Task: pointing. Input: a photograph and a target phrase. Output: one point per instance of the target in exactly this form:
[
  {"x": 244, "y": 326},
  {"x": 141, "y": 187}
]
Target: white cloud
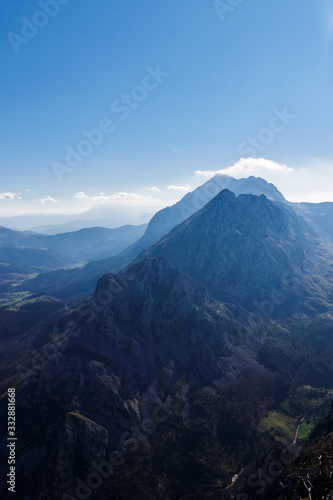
[
  {"x": 309, "y": 180},
  {"x": 121, "y": 197},
  {"x": 10, "y": 196},
  {"x": 47, "y": 199},
  {"x": 312, "y": 181},
  {"x": 81, "y": 195},
  {"x": 181, "y": 189},
  {"x": 245, "y": 167},
  {"x": 153, "y": 188},
  {"x": 208, "y": 174}
]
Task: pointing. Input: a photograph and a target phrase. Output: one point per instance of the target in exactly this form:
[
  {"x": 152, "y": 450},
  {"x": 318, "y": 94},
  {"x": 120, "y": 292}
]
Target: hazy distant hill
[
  {"x": 103, "y": 215},
  {"x": 32, "y": 252}
]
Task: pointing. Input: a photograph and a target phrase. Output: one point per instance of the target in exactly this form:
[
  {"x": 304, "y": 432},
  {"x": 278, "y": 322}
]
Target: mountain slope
[
  {"x": 319, "y": 216},
  {"x": 244, "y": 249},
  {"x": 145, "y": 335}
]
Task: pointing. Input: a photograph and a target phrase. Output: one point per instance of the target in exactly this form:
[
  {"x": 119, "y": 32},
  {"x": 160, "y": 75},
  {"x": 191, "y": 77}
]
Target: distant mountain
[
  {"x": 103, "y": 215},
  {"x": 97, "y": 242},
  {"x": 107, "y": 222},
  {"x": 32, "y": 252},
  {"x": 244, "y": 249},
  {"x": 319, "y": 216}
]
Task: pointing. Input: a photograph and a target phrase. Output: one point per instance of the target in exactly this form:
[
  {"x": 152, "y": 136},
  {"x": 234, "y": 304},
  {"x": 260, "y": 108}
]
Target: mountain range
[
  {"x": 77, "y": 283},
  {"x": 102, "y": 215},
  {"x": 28, "y": 252},
  {"x": 191, "y": 371}
]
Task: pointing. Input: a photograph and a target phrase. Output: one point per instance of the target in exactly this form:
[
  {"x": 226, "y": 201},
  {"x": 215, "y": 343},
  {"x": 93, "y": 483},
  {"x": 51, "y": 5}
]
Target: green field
[
  {"x": 18, "y": 299},
  {"x": 280, "y": 425},
  {"x": 305, "y": 430}
]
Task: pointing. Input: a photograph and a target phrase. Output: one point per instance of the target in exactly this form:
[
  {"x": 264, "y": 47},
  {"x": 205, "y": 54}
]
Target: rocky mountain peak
[{"x": 242, "y": 248}]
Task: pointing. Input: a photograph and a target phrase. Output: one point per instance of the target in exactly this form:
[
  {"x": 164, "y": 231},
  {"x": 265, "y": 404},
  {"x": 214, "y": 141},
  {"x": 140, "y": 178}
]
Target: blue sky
[{"x": 225, "y": 76}]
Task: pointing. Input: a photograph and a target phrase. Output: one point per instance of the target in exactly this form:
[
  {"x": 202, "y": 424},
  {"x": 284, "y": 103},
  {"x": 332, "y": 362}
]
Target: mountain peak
[{"x": 242, "y": 248}]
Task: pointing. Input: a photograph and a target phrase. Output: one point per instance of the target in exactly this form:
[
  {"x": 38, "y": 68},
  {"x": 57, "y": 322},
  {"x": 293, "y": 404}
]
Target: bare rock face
[
  {"x": 243, "y": 249},
  {"x": 175, "y": 314},
  {"x": 80, "y": 438},
  {"x": 141, "y": 320},
  {"x": 143, "y": 332}
]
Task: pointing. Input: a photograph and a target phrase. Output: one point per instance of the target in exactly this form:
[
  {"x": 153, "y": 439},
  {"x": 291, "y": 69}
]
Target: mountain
[
  {"x": 32, "y": 252},
  {"x": 170, "y": 380},
  {"x": 169, "y": 217},
  {"x": 76, "y": 225},
  {"x": 77, "y": 283},
  {"x": 117, "y": 219},
  {"x": 246, "y": 249},
  {"x": 95, "y": 243},
  {"x": 319, "y": 216},
  {"x": 145, "y": 334},
  {"x": 103, "y": 215}
]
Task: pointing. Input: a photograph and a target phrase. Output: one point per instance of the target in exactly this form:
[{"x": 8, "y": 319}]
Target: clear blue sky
[{"x": 225, "y": 78}]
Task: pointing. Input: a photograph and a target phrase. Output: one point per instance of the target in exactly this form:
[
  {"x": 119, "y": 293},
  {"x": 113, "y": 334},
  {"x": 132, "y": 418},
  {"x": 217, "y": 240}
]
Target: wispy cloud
[
  {"x": 10, "y": 196},
  {"x": 47, "y": 199},
  {"x": 246, "y": 167},
  {"x": 153, "y": 188},
  {"x": 129, "y": 198},
  {"x": 181, "y": 189},
  {"x": 309, "y": 180}
]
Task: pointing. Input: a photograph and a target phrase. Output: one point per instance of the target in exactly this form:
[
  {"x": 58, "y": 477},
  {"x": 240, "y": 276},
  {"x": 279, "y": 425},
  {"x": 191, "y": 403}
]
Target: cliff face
[{"x": 146, "y": 333}]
